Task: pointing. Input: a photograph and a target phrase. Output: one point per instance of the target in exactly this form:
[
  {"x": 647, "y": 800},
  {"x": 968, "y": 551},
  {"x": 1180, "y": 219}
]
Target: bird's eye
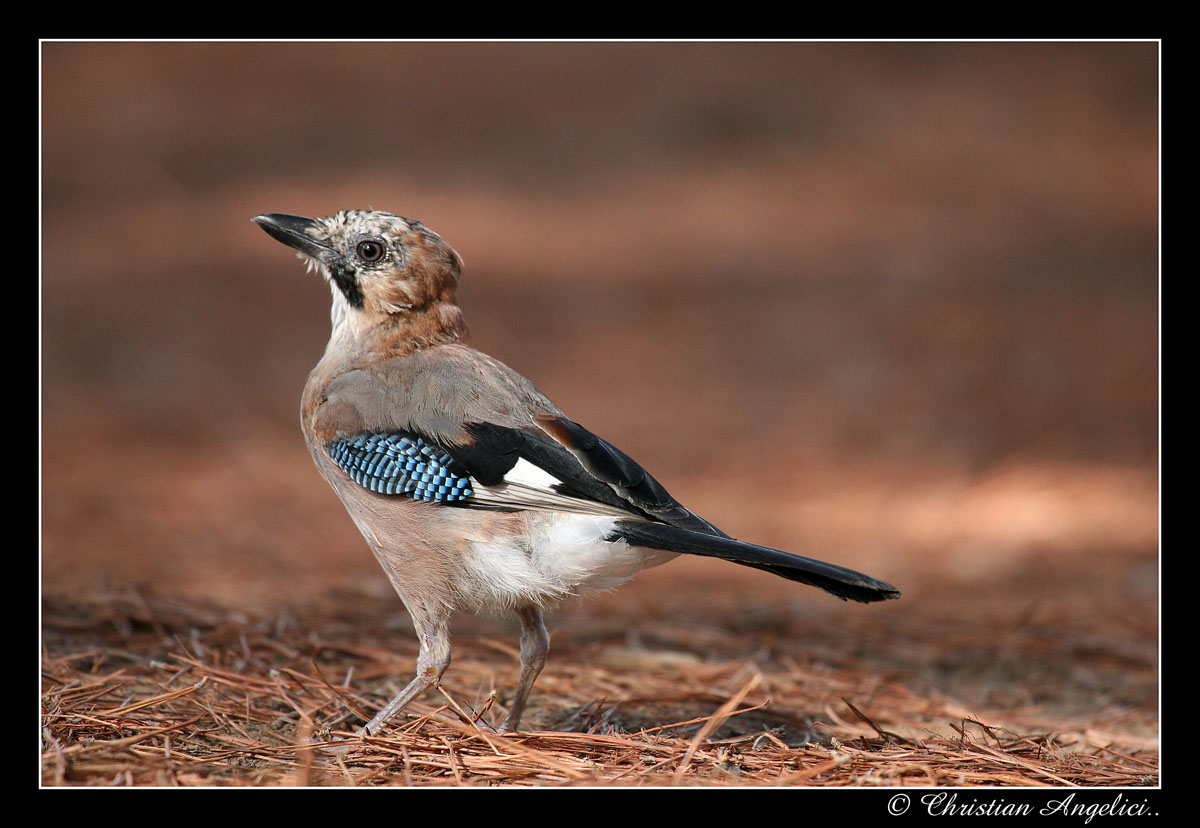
[{"x": 369, "y": 251}]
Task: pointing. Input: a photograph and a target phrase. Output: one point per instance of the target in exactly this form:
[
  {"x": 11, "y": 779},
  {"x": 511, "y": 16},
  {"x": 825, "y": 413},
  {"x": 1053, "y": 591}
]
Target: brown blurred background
[{"x": 892, "y": 305}]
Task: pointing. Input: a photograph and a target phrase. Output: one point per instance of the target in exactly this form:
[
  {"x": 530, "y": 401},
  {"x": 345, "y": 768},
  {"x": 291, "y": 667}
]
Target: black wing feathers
[
  {"x": 491, "y": 454},
  {"x": 548, "y": 454},
  {"x": 588, "y": 467},
  {"x": 608, "y": 464}
]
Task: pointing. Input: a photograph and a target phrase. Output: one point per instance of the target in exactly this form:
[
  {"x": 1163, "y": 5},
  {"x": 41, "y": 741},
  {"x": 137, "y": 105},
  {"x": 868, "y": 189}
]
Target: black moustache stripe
[{"x": 346, "y": 282}]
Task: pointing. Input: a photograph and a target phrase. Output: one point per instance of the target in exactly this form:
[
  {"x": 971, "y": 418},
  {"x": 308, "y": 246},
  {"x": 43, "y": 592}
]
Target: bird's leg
[
  {"x": 432, "y": 661},
  {"x": 535, "y": 643}
]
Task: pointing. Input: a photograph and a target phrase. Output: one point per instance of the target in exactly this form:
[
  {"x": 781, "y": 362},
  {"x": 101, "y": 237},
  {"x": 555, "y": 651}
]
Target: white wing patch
[
  {"x": 527, "y": 486},
  {"x": 534, "y": 477}
]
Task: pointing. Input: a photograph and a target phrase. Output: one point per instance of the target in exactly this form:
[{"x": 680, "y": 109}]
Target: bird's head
[{"x": 382, "y": 265}]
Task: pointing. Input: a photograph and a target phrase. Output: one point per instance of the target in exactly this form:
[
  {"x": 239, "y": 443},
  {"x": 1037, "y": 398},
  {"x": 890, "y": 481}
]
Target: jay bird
[{"x": 470, "y": 486}]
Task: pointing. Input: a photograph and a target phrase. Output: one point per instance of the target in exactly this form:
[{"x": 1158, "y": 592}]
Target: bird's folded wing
[
  {"x": 502, "y": 467},
  {"x": 456, "y": 427}
]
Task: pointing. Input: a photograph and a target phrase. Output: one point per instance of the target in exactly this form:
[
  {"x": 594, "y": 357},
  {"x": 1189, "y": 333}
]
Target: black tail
[{"x": 842, "y": 582}]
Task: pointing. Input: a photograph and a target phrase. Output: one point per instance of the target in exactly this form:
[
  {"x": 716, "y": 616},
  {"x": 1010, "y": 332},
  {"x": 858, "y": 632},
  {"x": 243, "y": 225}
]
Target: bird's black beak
[{"x": 293, "y": 231}]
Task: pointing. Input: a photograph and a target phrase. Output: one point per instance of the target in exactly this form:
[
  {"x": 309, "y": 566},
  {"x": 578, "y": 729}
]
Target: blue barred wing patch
[{"x": 401, "y": 464}]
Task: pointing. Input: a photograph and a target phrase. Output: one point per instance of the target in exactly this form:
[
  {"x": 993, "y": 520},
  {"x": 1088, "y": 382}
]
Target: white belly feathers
[{"x": 562, "y": 555}]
